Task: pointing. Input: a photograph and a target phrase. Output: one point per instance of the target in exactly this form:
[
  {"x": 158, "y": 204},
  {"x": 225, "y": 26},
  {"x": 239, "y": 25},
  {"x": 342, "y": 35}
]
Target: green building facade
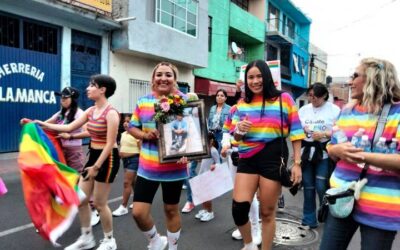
[{"x": 230, "y": 24}]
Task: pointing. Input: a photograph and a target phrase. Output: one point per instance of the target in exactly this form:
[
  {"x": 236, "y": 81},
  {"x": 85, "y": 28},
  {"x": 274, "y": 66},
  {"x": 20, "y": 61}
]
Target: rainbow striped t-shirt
[
  {"x": 149, "y": 166},
  {"x": 379, "y": 203},
  {"x": 267, "y": 128}
]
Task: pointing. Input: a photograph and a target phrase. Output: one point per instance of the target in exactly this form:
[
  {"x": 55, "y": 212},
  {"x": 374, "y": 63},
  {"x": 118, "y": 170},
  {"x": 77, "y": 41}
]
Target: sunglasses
[{"x": 355, "y": 75}]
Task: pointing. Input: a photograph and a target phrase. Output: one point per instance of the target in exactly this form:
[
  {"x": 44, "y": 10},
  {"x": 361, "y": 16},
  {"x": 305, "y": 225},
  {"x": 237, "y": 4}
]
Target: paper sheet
[{"x": 211, "y": 184}]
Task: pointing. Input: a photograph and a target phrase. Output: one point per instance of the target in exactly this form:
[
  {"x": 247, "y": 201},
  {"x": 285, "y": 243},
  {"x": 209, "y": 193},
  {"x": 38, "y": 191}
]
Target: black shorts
[
  {"x": 109, "y": 168},
  {"x": 146, "y": 189},
  {"x": 266, "y": 162}
]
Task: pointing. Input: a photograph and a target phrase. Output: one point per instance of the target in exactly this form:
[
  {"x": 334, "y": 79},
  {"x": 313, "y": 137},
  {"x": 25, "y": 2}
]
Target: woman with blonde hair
[
  {"x": 377, "y": 211},
  {"x": 151, "y": 173}
]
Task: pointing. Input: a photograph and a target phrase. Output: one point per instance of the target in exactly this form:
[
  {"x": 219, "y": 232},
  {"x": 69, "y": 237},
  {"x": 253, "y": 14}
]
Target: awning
[{"x": 208, "y": 87}]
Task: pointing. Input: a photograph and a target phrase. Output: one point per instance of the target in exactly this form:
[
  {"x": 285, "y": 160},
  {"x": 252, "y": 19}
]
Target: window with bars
[
  {"x": 244, "y": 4},
  {"x": 40, "y": 38},
  {"x": 137, "y": 89},
  {"x": 9, "y": 31},
  {"x": 178, "y": 14}
]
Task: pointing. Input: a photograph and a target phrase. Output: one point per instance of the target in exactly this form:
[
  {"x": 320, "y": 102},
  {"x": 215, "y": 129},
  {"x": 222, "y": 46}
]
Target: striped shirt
[
  {"x": 267, "y": 128},
  {"x": 379, "y": 203},
  {"x": 149, "y": 165},
  {"x": 97, "y": 128}
]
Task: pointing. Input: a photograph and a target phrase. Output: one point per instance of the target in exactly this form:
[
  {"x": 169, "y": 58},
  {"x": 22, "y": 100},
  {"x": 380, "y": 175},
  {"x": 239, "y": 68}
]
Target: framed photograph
[{"x": 184, "y": 135}]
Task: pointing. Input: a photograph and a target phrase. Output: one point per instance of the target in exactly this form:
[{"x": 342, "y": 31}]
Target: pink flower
[{"x": 165, "y": 106}]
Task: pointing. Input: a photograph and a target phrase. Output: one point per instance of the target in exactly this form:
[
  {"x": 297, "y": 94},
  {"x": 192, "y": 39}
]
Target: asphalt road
[{"x": 17, "y": 232}]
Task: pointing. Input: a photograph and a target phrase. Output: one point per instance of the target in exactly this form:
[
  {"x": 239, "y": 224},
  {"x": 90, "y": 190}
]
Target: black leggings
[{"x": 146, "y": 189}]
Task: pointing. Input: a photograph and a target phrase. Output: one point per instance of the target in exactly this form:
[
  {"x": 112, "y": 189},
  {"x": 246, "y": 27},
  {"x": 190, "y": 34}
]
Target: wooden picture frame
[{"x": 174, "y": 142}]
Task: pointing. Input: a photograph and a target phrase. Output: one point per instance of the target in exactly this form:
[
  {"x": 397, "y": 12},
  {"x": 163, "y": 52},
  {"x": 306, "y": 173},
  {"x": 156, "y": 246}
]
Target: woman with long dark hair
[
  {"x": 218, "y": 114},
  {"x": 258, "y": 131},
  {"x": 71, "y": 143}
]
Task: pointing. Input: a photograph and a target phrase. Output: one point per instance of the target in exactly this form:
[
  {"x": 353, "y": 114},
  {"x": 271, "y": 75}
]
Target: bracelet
[{"x": 237, "y": 131}]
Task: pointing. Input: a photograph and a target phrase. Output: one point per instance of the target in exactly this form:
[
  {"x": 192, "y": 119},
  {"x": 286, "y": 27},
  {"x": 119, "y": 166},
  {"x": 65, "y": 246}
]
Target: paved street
[{"x": 17, "y": 232}]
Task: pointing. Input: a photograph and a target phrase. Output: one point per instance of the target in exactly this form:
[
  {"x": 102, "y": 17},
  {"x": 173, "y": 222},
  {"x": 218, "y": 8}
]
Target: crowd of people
[{"x": 253, "y": 136}]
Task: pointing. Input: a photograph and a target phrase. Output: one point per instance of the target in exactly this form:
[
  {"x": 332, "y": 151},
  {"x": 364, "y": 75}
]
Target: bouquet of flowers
[{"x": 168, "y": 107}]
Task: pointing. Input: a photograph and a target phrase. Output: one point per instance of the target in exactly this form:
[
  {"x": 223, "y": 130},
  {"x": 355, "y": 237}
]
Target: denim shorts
[{"x": 131, "y": 163}]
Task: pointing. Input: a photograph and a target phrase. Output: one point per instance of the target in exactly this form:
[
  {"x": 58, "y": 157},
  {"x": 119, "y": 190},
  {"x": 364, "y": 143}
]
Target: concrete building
[
  {"x": 236, "y": 34},
  {"x": 44, "y": 46},
  {"x": 163, "y": 30},
  {"x": 317, "y": 70},
  {"x": 287, "y": 40}
]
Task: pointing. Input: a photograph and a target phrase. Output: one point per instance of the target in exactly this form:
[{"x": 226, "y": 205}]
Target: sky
[{"x": 349, "y": 30}]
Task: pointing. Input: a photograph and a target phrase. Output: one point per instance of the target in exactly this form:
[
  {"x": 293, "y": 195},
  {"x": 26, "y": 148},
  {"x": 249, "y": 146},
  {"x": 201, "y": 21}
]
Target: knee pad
[{"x": 240, "y": 212}]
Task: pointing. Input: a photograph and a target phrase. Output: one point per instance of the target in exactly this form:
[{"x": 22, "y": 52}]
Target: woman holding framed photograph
[{"x": 151, "y": 173}]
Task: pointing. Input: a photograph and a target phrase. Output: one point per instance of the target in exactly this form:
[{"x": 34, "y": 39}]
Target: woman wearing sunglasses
[{"x": 377, "y": 211}]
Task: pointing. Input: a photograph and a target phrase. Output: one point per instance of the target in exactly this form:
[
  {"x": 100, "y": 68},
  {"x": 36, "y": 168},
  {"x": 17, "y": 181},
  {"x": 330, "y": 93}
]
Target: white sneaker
[
  {"x": 256, "y": 235},
  {"x": 85, "y": 241},
  {"x": 189, "y": 206},
  {"x": 107, "y": 244},
  {"x": 252, "y": 247},
  {"x": 237, "y": 235},
  {"x": 159, "y": 244},
  {"x": 95, "y": 218},
  {"x": 207, "y": 216},
  {"x": 121, "y": 210},
  {"x": 200, "y": 214}
]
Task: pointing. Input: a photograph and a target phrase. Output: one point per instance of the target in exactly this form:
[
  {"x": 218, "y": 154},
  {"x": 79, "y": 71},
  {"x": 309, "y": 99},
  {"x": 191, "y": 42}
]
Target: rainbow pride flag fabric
[{"x": 49, "y": 186}]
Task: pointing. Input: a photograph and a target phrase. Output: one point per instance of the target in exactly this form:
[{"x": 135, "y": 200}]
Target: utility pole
[{"x": 311, "y": 68}]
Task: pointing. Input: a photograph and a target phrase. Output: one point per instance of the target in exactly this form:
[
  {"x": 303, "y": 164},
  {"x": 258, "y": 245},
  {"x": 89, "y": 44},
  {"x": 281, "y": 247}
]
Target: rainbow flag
[{"x": 49, "y": 186}]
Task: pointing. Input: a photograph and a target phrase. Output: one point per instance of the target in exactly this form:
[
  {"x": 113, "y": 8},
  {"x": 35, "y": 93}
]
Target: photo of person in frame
[{"x": 179, "y": 131}]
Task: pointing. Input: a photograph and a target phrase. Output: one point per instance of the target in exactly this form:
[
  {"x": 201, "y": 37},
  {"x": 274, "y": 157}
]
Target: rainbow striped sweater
[
  {"x": 267, "y": 128},
  {"x": 149, "y": 166},
  {"x": 379, "y": 203}
]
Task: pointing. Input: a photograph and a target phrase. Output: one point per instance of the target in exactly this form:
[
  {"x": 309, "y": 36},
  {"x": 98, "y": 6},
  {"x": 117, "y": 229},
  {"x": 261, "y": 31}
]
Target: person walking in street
[
  {"x": 218, "y": 114},
  {"x": 129, "y": 153},
  {"x": 71, "y": 143},
  {"x": 207, "y": 214},
  {"x": 377, "y": 212},
  {"x": 152, "y": 173},
  {"x": 317, "y": 119},
  {"x": 257, "y": 123},
  {"x": 103, "y": 163},
  {"x": 230, "y": 153}
]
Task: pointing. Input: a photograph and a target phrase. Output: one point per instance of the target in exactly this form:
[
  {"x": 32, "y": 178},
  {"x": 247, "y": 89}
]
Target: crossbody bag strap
[
  {"x": 377, "y": 134},
  {"x": 280, "y": 107}
]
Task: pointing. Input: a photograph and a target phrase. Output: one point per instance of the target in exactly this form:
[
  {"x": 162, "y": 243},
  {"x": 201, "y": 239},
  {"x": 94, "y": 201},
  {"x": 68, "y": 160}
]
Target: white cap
[
  {"x": 364, "y": 138},
  {"x": 361, "y": 130},
  {"x": 382, "y": 139},
  {"x": 335, "y": 128}
]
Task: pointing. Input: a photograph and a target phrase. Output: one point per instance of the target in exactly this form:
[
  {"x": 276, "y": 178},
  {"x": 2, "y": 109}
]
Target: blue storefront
[
  {"x": 44, "y": 47},
  {"x": 30, "y": 65}
]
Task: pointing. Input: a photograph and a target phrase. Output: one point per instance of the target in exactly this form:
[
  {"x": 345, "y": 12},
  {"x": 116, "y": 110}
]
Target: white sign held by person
[{"x": 211, "y": 184}]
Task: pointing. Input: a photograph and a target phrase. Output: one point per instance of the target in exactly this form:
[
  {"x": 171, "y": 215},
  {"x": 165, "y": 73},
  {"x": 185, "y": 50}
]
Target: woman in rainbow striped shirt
[
  {"x": 377, "y": 211},
  {"x": 258, "y": 131},
  {"x": 151, "y": 173}
]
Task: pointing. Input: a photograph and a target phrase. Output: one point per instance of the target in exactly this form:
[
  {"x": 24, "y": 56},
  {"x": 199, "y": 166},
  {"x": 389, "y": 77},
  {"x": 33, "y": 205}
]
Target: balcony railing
[{"x": 277, "y": 25}]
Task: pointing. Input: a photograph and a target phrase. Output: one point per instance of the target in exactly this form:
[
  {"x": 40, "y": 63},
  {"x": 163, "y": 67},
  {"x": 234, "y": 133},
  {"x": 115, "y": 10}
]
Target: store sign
[
  {"x": 105, "y": 5},
  {"x": 24, "y": 95}
]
